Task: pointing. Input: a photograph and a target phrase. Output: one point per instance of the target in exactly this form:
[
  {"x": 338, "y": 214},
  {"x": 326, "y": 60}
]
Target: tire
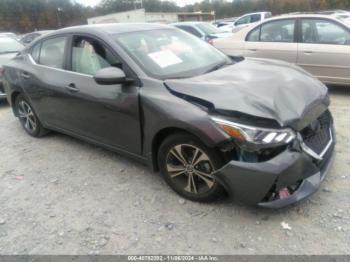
[
  {"x": 28, "y": 118},
  {"x": 191, "y": 180}
]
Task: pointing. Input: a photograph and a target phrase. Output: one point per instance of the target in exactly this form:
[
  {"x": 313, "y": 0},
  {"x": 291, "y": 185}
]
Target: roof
[
  {"x": 302, "y": 15},
  {"x": 291, "y": 16},
  {"x": 296, "y": 15},
  {"x": 255, "y": 13},
  {"x": 113, "y": 28},
  {"x": 189, "y": 23}
]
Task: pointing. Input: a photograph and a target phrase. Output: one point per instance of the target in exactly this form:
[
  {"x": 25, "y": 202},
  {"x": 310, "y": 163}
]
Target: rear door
[
  {"x": 324, "y": 50},
  {"x": 274, "y": 40},
  {"x": 43, "y": 78}
]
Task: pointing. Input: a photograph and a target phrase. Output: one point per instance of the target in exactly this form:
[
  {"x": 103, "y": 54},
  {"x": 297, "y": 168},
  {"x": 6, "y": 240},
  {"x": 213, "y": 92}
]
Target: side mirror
[{"x": 110, "y": 76}]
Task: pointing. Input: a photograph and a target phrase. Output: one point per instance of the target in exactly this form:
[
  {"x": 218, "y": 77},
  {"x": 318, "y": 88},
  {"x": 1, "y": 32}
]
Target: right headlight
[{"x": 264, "y": 137}]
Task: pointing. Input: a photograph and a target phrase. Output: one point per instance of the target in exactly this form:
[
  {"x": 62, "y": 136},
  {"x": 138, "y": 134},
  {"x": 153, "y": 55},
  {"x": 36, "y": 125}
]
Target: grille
[{"x": 317, "y": 135}]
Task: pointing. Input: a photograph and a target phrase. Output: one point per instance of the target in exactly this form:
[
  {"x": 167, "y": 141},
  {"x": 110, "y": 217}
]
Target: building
[{"x": 141, "y": 16}]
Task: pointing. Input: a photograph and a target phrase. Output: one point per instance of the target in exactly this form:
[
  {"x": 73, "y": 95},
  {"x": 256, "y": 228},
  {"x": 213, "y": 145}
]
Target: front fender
[{"x": 162, "y": 110}]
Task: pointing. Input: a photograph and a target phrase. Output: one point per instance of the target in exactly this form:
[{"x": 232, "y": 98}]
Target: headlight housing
[{"x": 256, "y": 136}]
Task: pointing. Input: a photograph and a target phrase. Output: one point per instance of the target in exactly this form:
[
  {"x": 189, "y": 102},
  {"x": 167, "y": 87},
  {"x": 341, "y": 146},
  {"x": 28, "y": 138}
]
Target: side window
[
  {"x": 267, "y": 15},
  {"x": 319, "y": 31},
  {"x": 89, "y": 56},
  {"x": 52, "y": 52},
  {"x": 36, "y": 52},
  {"x": 190, "y": 30},
  {"x": 278, "y": 31},
  {"x": 244, "y": 20},
  {"x": 255, "y": 18},
  {"x": 254, "y": 36}
]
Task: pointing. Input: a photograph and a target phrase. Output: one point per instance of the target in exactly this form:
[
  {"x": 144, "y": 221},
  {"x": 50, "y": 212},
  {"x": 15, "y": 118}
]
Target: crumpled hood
[{"x": 259, "y": 87}]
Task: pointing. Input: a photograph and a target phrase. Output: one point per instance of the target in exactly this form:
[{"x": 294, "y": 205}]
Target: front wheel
[
  {"x": 188, "y": 166},
  {"x": 27, "y": 117}
]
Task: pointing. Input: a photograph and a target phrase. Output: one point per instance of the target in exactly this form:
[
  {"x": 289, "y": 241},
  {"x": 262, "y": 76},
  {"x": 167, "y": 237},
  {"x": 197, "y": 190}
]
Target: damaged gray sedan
[{"x": 259, "y": 130}]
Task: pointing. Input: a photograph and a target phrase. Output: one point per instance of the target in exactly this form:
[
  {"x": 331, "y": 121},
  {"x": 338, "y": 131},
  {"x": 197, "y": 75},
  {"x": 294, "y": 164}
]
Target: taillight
[{"x": 211, "y": 41}]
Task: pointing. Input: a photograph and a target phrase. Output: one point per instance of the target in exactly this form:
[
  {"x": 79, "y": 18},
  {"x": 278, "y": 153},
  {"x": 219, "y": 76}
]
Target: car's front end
[
  {"x": 268, "y": 121},
  {"x": 281, "y": 166},
  {"x": 281, "y": 131}
]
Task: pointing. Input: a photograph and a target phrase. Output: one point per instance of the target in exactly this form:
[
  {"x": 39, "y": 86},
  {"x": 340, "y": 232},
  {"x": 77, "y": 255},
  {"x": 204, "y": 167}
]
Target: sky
[{"x": 94, "y": 2}]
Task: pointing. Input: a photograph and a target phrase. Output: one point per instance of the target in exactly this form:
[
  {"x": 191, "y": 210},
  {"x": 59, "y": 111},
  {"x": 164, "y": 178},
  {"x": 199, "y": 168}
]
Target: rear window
[
  {"x": 268, "y": 15},
  {"x": 255, "y": 18},
  {"x": 52, "y": 52}
]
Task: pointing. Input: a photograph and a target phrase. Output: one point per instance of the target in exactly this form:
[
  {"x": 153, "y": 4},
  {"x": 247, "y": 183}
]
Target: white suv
[{"x": 245, "y": 20}]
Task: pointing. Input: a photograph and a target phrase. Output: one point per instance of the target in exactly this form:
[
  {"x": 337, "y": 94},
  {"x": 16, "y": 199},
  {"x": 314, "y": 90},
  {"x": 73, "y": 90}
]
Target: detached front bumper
[{"x": 250, "y": 183}]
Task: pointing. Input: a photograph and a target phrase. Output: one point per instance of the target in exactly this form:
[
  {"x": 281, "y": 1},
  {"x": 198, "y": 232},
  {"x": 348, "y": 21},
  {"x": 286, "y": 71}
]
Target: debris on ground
[{"x": 286, "y": 226}]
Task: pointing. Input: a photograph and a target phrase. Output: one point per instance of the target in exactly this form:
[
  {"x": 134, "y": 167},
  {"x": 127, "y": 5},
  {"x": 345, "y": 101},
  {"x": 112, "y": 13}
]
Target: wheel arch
[
  {"x": 13, "y": 98},
  {"x": 161, "y": 135}
]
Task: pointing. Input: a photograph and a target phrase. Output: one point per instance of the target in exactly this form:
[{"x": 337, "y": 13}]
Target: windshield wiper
[{"x": 216, "y": 67}]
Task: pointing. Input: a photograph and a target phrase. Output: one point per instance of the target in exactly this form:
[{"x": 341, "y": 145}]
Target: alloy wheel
[
  {"x": 190, "y": 169},
  {"x": 27, "y": 116}
]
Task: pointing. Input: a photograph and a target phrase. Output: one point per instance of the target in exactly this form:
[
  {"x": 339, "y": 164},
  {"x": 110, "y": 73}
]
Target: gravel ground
[{"x": 59, "y": 195}]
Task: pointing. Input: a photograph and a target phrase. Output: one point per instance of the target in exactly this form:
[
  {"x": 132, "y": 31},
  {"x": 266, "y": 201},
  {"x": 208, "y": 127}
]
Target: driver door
[
  {"x": 107, "y": 114},
  {"x": 324, "y": 50}
]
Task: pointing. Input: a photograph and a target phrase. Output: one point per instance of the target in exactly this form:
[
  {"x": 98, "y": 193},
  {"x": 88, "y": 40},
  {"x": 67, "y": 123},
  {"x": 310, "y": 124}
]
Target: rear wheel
[
  {"x": 188, "y": 166},
  {"x": 28, "y": 118}
]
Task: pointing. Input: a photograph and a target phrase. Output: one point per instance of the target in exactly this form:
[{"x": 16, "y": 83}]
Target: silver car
[
  {"x": 202, "y": 30},
  {"x": 318, "y": 43},
  {"x": 9, "y": 47}
]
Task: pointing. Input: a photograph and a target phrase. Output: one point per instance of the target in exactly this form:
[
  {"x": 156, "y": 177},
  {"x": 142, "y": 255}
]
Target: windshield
[
  {"x": 170, "y": 53},
  {"x": 208, "y": 29},
  {"x": 9, "y": 45}
]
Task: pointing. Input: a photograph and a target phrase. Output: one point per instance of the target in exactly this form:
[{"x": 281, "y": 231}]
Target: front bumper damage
[{"x": 250, "y": 183}]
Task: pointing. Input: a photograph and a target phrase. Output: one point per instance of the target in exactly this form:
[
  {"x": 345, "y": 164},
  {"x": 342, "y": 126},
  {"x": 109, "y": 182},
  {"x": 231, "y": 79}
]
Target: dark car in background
[
  {"x": 9, "y": 47},
  {"x": 30, "y": 37},
  {"x": 258, "y": 129}
]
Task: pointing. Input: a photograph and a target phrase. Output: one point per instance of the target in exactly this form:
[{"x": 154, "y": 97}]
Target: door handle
[
  {"x": 72, "y": 88},
  {"x": 308, "y": 52},
  {"x": 253, "y": 50},
  {"x": 25, "y": 75}
]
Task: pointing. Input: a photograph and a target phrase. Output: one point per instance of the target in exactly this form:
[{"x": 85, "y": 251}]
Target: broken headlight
[{"x": 256, "y": 136}]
